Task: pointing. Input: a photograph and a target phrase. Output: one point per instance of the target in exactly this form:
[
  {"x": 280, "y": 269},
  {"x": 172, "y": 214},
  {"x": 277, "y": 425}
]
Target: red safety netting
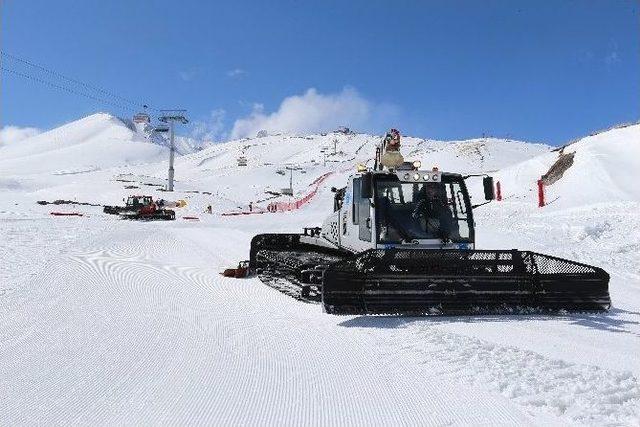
[
  {"x": 297, "y": 204},
  {"x": 286, "y": 206}
]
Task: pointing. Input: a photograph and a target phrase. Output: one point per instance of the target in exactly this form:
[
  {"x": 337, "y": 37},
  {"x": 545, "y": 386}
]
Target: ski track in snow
[
  {"x": 580, "y": 393},
  {"x": 113, "y": 322},
  {"x": 159, "y": 341},
  {"x": 151, "y": 325},
  {"x": 29, "y": 243}
]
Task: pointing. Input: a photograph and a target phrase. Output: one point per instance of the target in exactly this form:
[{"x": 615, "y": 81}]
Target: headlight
[
  {"x": 416, "y": 176},
  {"x": 435, "y": 177},
  {"x": 417, "y": 164},
  {"x": 426, "y": 177},
  {"x": 406, "y": 176}
]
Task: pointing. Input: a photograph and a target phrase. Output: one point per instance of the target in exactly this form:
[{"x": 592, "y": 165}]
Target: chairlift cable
[
  {"x": 76, "y": 81},
  {"x": 65, "y": 88}
]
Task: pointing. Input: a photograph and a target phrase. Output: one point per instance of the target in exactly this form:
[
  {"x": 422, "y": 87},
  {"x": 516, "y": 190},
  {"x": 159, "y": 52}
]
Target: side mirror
[
  {"x": 366, "y": 186},
  {"x": 487, "y": 183},
  {"x": 334, "y": 189}
]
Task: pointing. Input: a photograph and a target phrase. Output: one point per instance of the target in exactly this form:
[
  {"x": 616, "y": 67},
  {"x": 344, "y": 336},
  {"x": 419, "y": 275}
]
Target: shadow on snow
[{"x": 615, "y": 320}]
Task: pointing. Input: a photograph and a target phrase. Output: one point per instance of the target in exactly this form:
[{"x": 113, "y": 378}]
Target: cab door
[{"x": 361, "y": 212}]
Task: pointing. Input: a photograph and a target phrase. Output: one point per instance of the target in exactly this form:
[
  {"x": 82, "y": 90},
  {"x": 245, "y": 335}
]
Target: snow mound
[
  {"x": 600, "y": 168},
  {"x": 95, "y": 142}
]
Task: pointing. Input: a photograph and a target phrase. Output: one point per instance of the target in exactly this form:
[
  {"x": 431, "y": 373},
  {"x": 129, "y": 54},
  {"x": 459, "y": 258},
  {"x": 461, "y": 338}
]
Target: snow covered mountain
[
  {"x": 106, "y": 321},
  {"x": 104, "y": 145},
  {"x": 95, "y": 142},
  {"x": 313, "y": 155}
]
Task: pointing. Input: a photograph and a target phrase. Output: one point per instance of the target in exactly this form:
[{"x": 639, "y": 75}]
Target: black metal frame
[
  {"x": 462, "y": 281},
  {"x": 443, "y": 281}
]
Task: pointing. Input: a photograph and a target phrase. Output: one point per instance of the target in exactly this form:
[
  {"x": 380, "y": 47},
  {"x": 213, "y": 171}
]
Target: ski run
[{"x": 108, "y": 321}]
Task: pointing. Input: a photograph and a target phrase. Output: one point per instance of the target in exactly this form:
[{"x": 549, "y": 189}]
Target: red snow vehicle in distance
[{"x": 142, "y": 207}]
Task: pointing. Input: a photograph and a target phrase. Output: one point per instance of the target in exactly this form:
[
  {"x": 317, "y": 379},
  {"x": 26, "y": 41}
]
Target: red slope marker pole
[
  {"x": 540, "y": 193},
  {"x": 498, "y": 192}
]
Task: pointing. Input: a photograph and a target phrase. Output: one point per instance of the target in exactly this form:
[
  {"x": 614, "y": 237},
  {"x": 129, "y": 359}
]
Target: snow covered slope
[
  {"x": 115, "y": 322},
  {"x": 314, "y": 155},
  {"x": 604, "y": 169},
  {"x": 95, "y": 142}
]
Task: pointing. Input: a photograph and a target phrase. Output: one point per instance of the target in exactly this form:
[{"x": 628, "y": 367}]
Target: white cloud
[
  {"x": 236, "y": 72},
  {"x": 211, "y": 129},
  {"x": 612, "y": 58},
  {"x": 189, "y": 74},
  {"x": 314, "y": 112},
  {"x": 11, "y": 134}
]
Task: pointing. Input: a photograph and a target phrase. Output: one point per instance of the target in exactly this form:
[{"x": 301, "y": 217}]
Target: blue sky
[{"x": 534, "y": 70}]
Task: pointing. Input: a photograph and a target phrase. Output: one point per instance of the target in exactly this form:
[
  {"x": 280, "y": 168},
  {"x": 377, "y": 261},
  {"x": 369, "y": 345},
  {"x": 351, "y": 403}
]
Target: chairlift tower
[{"x": 172, "y": 116}]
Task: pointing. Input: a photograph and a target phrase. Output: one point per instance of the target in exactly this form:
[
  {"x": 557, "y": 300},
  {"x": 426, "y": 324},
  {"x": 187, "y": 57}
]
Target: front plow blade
[{"x": 409, "y": 281}]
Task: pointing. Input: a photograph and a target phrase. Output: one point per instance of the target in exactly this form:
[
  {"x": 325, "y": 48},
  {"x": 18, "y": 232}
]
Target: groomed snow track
[{"x": 139, "y": 335}]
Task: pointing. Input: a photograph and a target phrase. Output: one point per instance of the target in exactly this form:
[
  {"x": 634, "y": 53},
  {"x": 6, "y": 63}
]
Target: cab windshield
[
  {"x": 138, "y": 201},
  {"x": 408, "y": 211}
]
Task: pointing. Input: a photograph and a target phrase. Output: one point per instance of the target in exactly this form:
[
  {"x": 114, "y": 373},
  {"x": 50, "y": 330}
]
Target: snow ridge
[{"x": 584, "y": 394}]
